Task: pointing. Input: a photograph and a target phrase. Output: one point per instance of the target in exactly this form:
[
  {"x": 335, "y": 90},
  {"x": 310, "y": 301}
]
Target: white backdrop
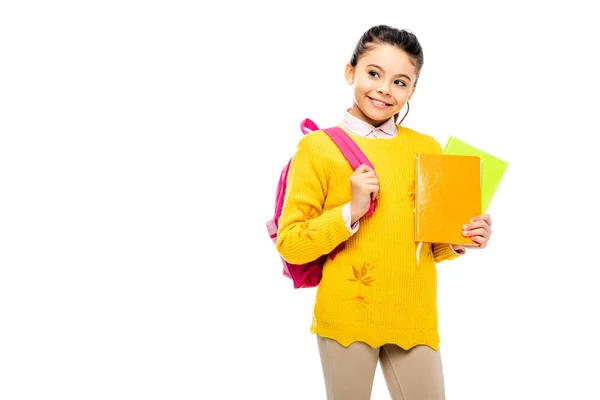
[{"x": 140, "y": 148}]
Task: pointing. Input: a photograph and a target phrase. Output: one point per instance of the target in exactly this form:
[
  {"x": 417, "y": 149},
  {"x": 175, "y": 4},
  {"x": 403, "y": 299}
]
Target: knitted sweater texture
[{"x": 375, "y": 290}]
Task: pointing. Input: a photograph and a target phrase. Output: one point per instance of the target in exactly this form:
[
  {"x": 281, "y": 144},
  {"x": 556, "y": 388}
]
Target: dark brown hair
[{"x": 401, "y": 38}]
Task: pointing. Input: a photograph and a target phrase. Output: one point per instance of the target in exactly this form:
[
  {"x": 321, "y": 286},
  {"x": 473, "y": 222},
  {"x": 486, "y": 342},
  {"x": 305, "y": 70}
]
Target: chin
[
  {"x": 379, "y": 117},
  {"x": 374, "y": 116}
]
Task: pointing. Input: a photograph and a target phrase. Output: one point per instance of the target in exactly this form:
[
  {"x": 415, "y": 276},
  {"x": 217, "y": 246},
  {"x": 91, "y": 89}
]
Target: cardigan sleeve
[{"x": 306, "y": 231}]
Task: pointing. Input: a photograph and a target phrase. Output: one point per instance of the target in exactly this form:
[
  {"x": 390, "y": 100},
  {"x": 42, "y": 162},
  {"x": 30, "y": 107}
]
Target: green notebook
[{"x": 492, "y": 168}]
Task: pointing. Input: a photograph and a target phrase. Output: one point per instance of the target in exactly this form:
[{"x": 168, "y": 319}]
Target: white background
[{"x": 140, "y": 148}]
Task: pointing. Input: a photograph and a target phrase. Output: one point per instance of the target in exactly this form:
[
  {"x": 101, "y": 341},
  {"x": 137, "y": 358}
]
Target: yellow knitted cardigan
[{"x": 373, "y": 291}]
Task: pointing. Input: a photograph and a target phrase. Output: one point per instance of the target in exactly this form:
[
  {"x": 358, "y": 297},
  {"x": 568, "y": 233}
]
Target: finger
[
  {"x": 470, "y": 246},
  {"x": 375, "y": 193},
  {"x": 362, "y": 175},
  {"x": 477, "y": 224},
  {"x": 483, "y": 217},
  {"x": 362, "y": 168},
  {"x": 480, "y": 240},
  {"x": 372, "y": 189},
  {"x": 370, "y": 181},
  {"x": 368, "y": 174},
  {"x": 476, "y": 232}
]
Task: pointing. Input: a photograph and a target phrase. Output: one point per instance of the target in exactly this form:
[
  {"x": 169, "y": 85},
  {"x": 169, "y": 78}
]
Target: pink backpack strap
[
  {"x": 347, "y": 146},
  {"x": 308, "y": 126},
  {"x": 352, "y": 152}
]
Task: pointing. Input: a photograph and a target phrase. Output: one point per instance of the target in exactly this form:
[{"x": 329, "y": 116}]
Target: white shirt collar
[{"x": 386, "y": 130}]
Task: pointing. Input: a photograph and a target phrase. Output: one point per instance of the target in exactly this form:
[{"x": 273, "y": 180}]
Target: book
[
  {"x": 447, "y": 196},
  {"x": 492, "y": 168}
]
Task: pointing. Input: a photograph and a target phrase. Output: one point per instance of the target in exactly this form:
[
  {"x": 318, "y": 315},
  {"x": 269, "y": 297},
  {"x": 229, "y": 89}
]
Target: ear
[{"x": 349, "y": 74}]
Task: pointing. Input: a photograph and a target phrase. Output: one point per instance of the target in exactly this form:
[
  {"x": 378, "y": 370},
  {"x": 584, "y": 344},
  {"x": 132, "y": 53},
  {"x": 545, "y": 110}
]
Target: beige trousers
[{"x": 349, "y": 372}]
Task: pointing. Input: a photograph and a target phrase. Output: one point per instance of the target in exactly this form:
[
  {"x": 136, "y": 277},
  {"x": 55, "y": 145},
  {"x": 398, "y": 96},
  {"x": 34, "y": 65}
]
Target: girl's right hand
[{"x": 365, "y": 186}]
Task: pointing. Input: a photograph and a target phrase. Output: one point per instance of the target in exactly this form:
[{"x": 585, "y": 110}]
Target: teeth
[{"x": 379, "y": 102}]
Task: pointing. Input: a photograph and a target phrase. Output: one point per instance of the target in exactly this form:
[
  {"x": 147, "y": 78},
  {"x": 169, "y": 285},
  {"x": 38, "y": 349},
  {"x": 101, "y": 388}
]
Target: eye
[
  {"x": 374, "y": 74},
  {"x": 399, "y": 83}
]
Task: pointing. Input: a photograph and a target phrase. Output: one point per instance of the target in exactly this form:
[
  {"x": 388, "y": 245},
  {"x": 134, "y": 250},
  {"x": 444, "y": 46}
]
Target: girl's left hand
[{"x": 479, "y": 230}]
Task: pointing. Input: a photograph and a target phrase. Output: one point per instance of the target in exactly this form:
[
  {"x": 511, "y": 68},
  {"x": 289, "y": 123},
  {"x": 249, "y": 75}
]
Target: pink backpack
[{"x": 309, "y": 274}]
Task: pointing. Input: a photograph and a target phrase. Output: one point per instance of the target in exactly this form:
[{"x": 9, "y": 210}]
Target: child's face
[{"x": 383, "y": 82}]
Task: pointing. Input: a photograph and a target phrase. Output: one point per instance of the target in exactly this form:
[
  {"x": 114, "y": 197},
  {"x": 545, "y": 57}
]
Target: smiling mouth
[{"x": 378, "y": 102}]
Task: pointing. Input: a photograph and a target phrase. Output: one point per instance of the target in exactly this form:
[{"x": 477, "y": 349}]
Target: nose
[{"x": 384, "y": 89}]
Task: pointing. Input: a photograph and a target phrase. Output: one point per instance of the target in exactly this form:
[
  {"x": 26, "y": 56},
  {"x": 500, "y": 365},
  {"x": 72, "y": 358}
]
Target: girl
[{"x": 376, "y": 301}]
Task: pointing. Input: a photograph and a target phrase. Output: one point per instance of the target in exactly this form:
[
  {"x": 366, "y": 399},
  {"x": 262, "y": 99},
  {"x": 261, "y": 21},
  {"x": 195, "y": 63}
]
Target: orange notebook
[{"x": 447, "y": 196}]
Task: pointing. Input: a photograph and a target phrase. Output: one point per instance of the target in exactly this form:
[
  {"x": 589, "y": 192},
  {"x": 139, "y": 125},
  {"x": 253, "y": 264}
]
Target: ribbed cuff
[
  {"x": 442, "y": 252},
  {"x": 347, "y": 214}
]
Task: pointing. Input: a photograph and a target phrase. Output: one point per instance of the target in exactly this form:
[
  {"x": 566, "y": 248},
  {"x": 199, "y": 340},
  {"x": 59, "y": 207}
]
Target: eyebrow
[{"x": 399, "y": 75}]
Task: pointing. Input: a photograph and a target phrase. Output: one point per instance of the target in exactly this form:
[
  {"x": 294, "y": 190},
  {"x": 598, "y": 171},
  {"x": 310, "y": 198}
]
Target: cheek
[
  {"x": 400, "y": 99},
  {"x": 401, "y": 95},
  {"x": 363, "y": 86}
]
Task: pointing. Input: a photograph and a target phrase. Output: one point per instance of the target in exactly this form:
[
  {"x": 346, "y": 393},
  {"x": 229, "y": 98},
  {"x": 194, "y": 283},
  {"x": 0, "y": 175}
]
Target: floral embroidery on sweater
[
  {"x": 307, "y": 230},
  {"x": 364, "y": 278},
  {"x": 412, "y": 195}
]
